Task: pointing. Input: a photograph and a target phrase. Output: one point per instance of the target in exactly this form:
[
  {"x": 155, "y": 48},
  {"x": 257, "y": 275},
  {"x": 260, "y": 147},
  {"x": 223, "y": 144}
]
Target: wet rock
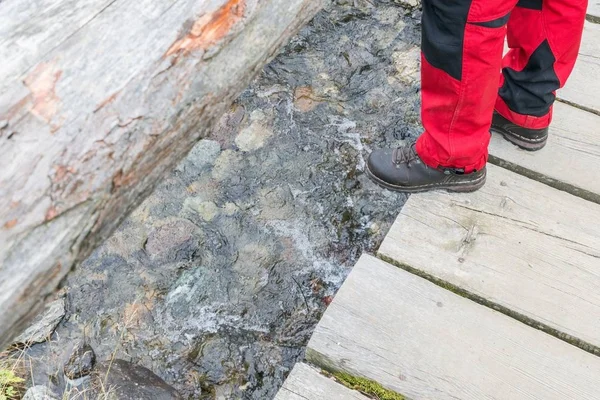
[
  {"x": 218, "y": 359},
  {"x": 226, "y": 164},
  {"x": 408, "y": 3},
  {"x": 201, "y": 155},
  {"x": 254, "y": 136},
  {"x": 45, "y": 324},
  {"x": 39, "y": 392},
  {"x": 121, "y": 380},
  {"x": 169, "y": 238},
  {"x": 81, "y": 362},
  {"x": 207, "y": 210},
  {"x": 218, "y": 279},
  {"x": 408, "y": 64},
  {"x": 304, "y": 99}
]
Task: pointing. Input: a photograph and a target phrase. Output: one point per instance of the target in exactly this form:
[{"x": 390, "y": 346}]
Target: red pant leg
[
  {"x": 462, "y": 54},
  {"x": 544, "y": 37}
]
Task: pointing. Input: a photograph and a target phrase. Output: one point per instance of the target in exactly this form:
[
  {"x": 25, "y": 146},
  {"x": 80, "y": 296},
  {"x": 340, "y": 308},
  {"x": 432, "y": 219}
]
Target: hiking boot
[
  {"x": 402, "y": 170},
  {"x": 527, "y": 139}
]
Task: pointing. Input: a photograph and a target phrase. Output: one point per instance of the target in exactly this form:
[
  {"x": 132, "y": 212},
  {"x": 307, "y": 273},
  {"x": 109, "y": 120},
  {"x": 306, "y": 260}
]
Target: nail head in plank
[{"x": 425, "y": 342}]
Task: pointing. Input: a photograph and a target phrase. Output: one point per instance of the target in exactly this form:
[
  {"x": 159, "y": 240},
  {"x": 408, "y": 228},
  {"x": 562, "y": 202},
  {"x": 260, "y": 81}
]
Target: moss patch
[
  {"x": 12, "y": 373},
  {"x": 366, "y": 386}
]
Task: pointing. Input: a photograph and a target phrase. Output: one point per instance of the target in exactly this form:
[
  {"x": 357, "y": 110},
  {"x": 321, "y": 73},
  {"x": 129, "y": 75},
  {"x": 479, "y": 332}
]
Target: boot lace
[{"x": 405, "y": 154}]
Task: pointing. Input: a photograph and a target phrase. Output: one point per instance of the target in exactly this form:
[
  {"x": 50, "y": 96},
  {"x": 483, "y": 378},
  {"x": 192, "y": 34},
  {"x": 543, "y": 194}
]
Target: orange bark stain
[
  {"x": 106, "y": 101},
  {"x": 18, "y": 109},
  {"x": 120, "y": 179},
  {"x": 61, "y": 171},
  {"x": 210, "y": 28},
  {"x": 41, "y": 82},
  {"x": 51, "y": 213},
  {"x": 10, "y": 224}
]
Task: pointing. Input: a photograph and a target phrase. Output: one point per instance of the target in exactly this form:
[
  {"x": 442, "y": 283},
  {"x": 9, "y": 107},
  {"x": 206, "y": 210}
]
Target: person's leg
[
  {"x": 462, "y": 54},
  {"x": 544, "y": 38},
  {"x": 461, "y": 57}
]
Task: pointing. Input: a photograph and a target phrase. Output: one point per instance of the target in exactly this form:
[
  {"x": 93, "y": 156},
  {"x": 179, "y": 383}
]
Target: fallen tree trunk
[{"x": 98, "y": 100}]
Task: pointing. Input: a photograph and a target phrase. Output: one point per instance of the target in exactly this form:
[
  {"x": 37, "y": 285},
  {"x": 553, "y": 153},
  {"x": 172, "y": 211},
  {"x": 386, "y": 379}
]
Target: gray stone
[
  {"x": 39, "y": 392},
  {"x": 246, "y": 246},
  {"x": 410, "y": 4},
  {"x": 44, "y": 325},
  {"x": 81, "y": 362},
  {"x": 254, "y": 136},
  {"x": 169, "y": 237},
  {"x": 408, "y": 64},
  {"x": 122, "y": 380},
  {"x": 217, "y": 359},
  {"x": 201, "y": 155}
]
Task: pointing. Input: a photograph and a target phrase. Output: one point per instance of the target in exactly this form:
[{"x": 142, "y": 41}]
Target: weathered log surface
[{"x": 98, "y": 99}]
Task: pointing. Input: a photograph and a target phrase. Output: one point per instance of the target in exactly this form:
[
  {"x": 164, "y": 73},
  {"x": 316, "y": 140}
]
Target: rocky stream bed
[{"x": 217, "y": 280}]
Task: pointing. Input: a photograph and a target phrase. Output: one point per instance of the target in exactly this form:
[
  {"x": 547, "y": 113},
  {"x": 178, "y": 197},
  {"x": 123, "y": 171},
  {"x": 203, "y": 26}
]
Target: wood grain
[
  {"x": 517, "y": 243},
  {"x": 98, "y": 100},
  {"x": 31, "y": 29},
  {"x": 583, "y": 85},
  {"x": 570, "y": 158},
  {"x": 427, "y": 343},
  {"x": 306, "y": 383},
  {"x": 593, "y": 10}
]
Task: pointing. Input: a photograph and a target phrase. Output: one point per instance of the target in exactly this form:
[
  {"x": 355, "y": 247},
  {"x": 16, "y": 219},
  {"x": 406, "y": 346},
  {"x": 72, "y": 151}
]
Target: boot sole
[
  {"x": 520, "y": 141},
  {"x": 462, "y": 187}
]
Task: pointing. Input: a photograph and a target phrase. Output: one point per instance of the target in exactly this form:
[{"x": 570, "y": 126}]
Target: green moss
[
  {"x": 10, "y": 385},
  {"x": 366, "y": 386},
  {"x": 363, "y": 385}
]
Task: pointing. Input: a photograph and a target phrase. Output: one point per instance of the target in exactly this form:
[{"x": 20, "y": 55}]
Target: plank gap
[
  {"x": 582, "y": 344},
  {"x": 539, "y": 177},
  {"x": 416, "y": 338},
  {"x": 592, "y": 18},
  {"x": 579, "y": 106}
]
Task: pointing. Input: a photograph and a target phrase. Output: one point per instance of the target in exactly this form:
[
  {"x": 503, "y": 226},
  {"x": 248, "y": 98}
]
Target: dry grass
[
  {"x": 16, "y": 368},
  {"x": 13, "y": 374}
]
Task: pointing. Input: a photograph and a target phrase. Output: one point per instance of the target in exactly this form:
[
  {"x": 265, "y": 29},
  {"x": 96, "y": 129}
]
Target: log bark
[{"x": 98, "y": 100}]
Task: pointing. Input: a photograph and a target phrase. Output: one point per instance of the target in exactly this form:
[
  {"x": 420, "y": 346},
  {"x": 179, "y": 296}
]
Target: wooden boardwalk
[{"x": 490, "y": 295}]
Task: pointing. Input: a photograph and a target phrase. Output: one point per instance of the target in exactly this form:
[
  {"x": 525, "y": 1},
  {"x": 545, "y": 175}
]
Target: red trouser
[{"x": 461, "y": 60}]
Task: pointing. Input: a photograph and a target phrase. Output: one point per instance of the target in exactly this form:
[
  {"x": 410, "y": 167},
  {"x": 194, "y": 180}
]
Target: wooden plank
[
  {"x": 593, "y": 11},
  {"x": 101, "y": 101},
  {"x": 583, "y": 85},
  {"x": 426, "y": 342},
  {"x": 306, "y": 383},
  {"x": 570, "y": 158},
  {"x": 516, "y": 243}
]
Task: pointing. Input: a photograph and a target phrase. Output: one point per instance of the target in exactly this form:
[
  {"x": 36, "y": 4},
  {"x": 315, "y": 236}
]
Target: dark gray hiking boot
[
  {"x": 527, "y": 139},
  {"x": 402, "y": 170}
]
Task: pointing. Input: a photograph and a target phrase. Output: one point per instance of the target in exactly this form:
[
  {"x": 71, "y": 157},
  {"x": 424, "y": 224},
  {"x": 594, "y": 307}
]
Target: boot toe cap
[{"x": 381, "y": 165}]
